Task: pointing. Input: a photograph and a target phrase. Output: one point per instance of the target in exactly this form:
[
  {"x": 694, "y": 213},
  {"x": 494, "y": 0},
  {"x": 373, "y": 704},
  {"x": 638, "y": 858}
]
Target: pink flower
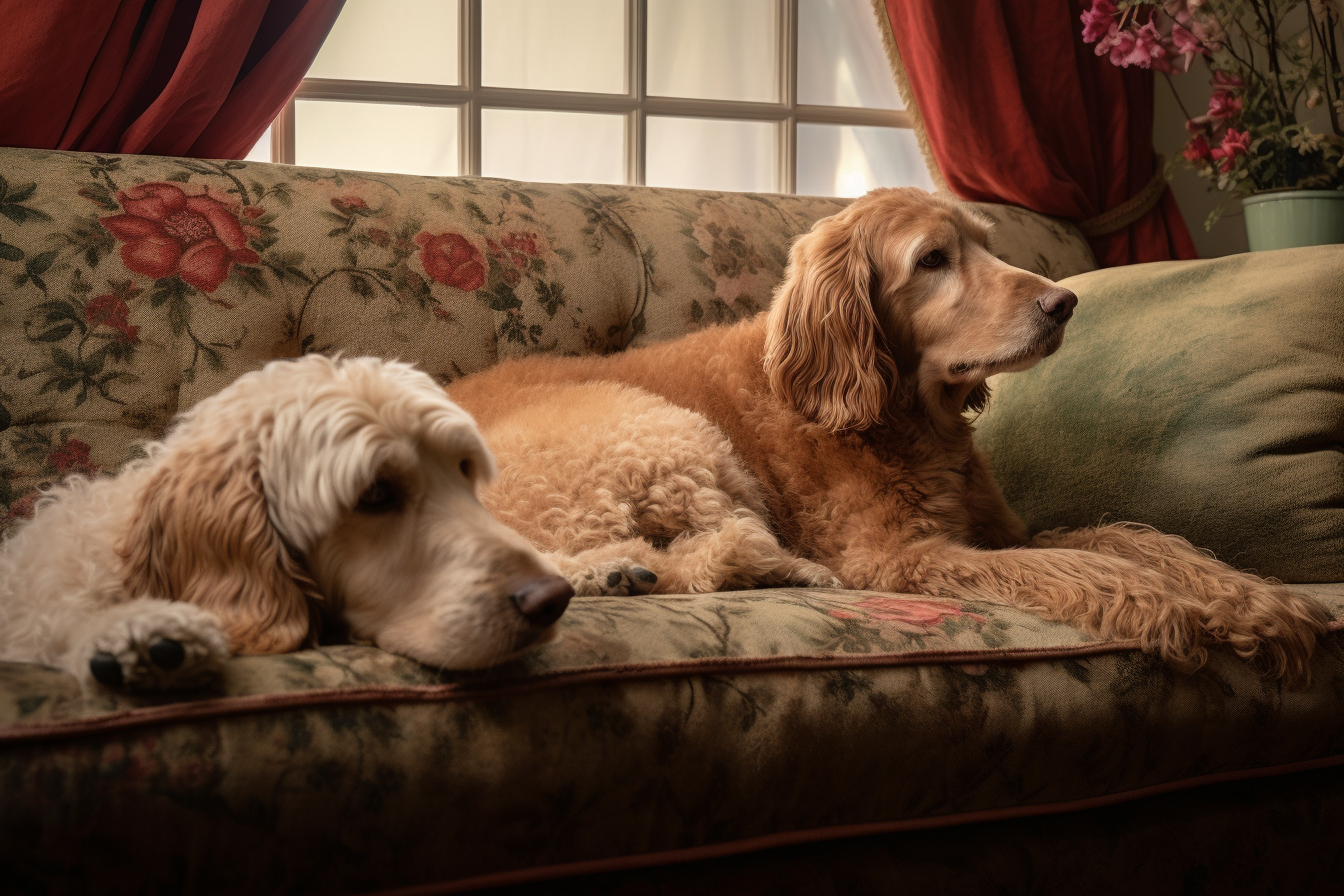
[
  {"x": 72, "y": 457},
  {"x": 451, "y": 259},
  {"x": 1235, "y": 143},
  {"x": 1186, "y": 43},
  {"x": 167, "y": 231},
  {"x": 1223, "y": 79},
  {"x": 912, "y": 614},
  {"x": 1224, "y": 105},
  {"x": 347, "y": 204},
  {"x": 111, "y": 311},
  {"x": 1197, "y": 150},
  {"x": 1119, "y": 43},
  {"x": 22, "y": 509},
  {"x": 1097, "y": 21},
  {"x": 1147, "y": 46}
]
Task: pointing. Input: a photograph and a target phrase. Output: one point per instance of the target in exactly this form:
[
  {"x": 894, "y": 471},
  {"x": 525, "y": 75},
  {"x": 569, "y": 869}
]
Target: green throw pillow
[{"x": 1205, "y": 398}]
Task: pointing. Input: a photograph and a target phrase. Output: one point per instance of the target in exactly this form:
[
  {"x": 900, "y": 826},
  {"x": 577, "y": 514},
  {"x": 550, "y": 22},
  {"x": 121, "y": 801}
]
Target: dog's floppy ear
[
  {"x": 823, "y": 345},
  {"x": 200, "y": 533}
]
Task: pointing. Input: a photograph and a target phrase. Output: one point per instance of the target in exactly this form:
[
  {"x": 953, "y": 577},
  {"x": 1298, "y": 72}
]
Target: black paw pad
[
  {"x": 647, "y": 576},
  {"x": 167, "y": 653},
  {"x": 613, "y": 579},
  {"x": 106, "y": 670}
]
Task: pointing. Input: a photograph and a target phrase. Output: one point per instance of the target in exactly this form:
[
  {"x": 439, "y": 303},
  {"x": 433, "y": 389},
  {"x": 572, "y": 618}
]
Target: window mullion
[
  {"x": 787, "y": 175},
  {"x": 470, "y": 53},
  {"x": 636, "y": 49}
]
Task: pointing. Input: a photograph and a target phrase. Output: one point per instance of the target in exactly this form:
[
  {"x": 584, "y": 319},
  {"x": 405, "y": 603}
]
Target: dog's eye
[
  {"x": 381, "y": 497},
  {"x": 934, "y": 259}
]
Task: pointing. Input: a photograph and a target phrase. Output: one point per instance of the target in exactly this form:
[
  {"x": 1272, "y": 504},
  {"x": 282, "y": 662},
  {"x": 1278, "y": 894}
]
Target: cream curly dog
[
  {"x": 313, "y": 486},
  {"x": 847, "y": 404}
]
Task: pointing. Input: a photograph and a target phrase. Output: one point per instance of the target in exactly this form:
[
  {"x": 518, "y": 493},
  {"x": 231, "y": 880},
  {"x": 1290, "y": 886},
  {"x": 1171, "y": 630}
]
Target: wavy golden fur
[{"x": 847, "y": 404}]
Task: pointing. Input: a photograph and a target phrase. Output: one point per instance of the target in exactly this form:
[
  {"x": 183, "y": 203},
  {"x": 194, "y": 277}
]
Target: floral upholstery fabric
[{"x": 134, "y": 286}]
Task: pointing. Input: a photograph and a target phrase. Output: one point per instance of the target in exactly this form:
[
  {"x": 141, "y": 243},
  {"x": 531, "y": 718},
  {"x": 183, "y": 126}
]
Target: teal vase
[{"x": 1292, "y": 218}]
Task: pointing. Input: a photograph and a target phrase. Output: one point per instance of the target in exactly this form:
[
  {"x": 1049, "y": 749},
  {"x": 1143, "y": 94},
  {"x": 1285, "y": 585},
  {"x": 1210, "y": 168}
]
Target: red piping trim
[
  {"x": 840, "y": 832},
  {"x": 220, "y": 707}
]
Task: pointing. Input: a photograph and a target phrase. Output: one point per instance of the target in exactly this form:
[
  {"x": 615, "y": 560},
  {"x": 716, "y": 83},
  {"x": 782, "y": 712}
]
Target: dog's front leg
[
  {"x": 1105, "y": 594},
  {"x": 147, "y": 644},
  {"x": 1252, "y": 615}
]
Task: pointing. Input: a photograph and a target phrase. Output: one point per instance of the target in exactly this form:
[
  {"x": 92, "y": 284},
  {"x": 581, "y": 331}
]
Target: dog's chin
[{"x": 979, "y": 370}]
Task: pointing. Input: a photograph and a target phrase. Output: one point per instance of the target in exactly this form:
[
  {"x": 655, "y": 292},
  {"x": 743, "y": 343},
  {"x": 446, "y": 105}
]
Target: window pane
[
  {"x": 711, "y": 49},
  {"x": 844, "y": 160},
  {"x": 559, "y": 147},
  {"x": 376, "y": 137},
  {"x": 710, "y": 154},
  {"x": 840, "y": 57},
  {"x": 261, "y": 152},
  {"x": 554, "y": 44},
  {"x": 407, "y": 41}
]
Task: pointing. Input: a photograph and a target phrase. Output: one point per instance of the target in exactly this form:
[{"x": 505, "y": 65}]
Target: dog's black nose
[
  {"x": 1058, "y": 303},
  {"x": 542, "y": 601}
]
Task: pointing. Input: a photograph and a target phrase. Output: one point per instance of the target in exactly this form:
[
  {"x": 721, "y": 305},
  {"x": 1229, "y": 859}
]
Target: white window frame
[{"x": 635, "y": 105}]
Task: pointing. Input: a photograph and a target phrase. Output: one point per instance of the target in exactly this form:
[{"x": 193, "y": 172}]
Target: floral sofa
[{"x": 782, "y": 741}]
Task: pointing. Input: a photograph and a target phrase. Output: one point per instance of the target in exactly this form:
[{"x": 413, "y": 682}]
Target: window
[{"x": 762, "y": 95}]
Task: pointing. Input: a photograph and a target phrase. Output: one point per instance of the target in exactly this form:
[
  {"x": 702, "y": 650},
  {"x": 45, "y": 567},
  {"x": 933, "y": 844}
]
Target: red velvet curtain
[
  {"x": 1018, "y": 109},
  {"x": 197, "y": 78}
]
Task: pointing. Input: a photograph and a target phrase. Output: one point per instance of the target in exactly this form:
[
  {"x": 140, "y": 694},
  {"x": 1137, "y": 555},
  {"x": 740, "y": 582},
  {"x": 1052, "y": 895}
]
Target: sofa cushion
[
  {"x": 1205, "y": 398},
  {"x": 654, "y": 730}
]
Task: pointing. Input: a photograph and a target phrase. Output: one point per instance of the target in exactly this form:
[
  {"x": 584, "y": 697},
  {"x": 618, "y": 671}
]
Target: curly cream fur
[
  {"x": 247, "y": 518},
  {"x": 846, "y": 403}
]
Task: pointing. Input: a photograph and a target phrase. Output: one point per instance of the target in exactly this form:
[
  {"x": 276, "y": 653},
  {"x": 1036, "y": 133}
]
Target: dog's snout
[
  {"x": 542, "y": 601},
  {"x": 1058, "y": 304}
]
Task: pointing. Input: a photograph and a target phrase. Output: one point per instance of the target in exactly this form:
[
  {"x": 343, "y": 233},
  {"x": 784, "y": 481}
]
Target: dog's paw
[
  {"x": 154, "y": 645},
  {"x": 1272, "y": 626},
  {"x": 806, "y": 574},
  {"x": 617, "y": 578}
]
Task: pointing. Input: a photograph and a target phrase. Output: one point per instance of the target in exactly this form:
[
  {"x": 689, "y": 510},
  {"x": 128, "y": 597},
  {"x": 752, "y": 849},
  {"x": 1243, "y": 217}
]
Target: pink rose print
[
  {"x": 110, "y": 311},
  {"x": 167, "y": 231},
  {"x": 451, "y": 259},
  {"x": 72, "y": 457},
  {"x": 910, "y": 614}
]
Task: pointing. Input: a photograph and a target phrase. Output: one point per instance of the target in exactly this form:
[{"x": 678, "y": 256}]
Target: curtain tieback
[{"x": 1132, "y": 209}]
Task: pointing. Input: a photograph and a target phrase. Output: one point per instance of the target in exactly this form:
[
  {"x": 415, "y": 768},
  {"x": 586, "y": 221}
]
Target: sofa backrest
[{"x": 133, "y": 286}]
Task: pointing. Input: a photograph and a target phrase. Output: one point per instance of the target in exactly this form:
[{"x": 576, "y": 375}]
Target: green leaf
[
  {"x": 5, "y": 418},
  {"x": 360, "y": 286},
  {"x": 93, "y": 364},
  {"x": 55, "y": 334},
  {"x": 503, "y": 299},
  {"x": 697, "y": 311},
  {"x": 22, "y": 193},
  {"x": 41, "y": 263},
  {"x": 62, "y": 358},
  {"x": 10, "y": 253},
  {"x": 253, "y": 278}
]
